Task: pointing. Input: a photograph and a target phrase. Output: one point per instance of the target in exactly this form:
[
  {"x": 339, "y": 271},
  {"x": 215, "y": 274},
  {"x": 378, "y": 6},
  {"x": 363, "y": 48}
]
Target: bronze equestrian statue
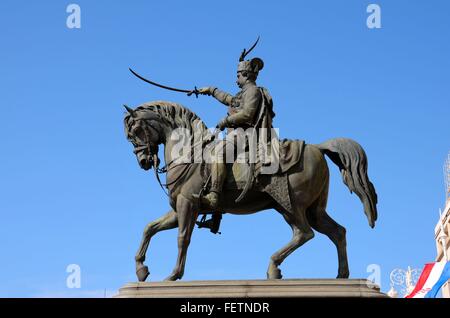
[
  {"x": 242, "y": 113},
  {"x": 298, "y": 189}
]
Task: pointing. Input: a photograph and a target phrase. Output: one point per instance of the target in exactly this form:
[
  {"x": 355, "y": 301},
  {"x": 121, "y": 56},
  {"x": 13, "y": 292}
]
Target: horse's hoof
[
  {"x": 343, "y": 275},
  {"x": 172, "y": 278},
  {"x": 274, "y": 273},
  {"x": 142, "y": 273}
]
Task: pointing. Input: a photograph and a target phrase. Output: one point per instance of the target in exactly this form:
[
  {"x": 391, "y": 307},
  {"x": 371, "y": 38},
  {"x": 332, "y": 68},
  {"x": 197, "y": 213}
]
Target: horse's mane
[{"x": 174, "y": 115}]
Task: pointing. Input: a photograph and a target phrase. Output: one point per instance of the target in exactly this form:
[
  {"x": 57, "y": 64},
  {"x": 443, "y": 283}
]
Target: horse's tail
[{"x": 351, "y": 159}]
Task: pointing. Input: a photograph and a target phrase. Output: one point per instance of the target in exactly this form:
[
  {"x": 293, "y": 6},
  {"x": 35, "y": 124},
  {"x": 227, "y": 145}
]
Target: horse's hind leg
[
  {"x": 301, "y": 233},
  {"x": 323, "y": 223},
  {"x": 166, "y": 222}
]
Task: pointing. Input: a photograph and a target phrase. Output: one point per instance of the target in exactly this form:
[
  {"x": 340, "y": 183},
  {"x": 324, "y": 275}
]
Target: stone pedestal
[{"x": 252, "y": 288}]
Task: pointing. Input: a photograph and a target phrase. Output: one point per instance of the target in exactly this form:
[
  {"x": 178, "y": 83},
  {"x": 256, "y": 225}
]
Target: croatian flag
[{"x": 433, "y": 277}]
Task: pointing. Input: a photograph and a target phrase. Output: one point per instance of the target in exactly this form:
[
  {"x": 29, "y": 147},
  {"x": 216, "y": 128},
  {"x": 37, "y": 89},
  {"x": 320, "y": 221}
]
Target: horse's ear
[{"x": 130, "y": 110}]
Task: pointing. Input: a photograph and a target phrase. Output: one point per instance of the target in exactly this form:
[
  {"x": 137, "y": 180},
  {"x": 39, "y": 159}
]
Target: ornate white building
[{"x": 404, "y": 278}]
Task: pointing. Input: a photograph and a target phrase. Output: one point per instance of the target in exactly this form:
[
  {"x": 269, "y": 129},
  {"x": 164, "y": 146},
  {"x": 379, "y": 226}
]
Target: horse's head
[
  {"x": 144, "y": 131},
  {"x": 158, "y": 122}
]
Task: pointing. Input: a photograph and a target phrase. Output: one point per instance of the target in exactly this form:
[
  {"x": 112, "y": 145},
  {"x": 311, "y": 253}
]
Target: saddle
[
  {"x": 290, "y": 154},
  {"x": 276, "y": 184},
  {"x": 245, "y": 176}
]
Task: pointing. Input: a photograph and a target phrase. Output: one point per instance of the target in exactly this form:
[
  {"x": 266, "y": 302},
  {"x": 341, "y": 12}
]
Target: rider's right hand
[{"x": 205, "y": 90}]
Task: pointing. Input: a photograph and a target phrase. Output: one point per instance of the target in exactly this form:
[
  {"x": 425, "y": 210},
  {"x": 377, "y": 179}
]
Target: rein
[{"x": 165, "y": 169}]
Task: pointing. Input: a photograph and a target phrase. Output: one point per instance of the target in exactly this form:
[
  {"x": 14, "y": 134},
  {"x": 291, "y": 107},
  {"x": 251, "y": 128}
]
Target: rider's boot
[{"x": 218, "y": 175}]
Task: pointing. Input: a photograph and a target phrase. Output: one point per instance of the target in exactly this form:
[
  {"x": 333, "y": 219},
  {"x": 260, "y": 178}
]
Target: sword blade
[{"x": 160, "y": 85}]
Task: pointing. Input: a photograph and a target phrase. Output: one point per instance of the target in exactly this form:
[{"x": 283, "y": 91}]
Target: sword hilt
[{"x": 194, "y": 91}]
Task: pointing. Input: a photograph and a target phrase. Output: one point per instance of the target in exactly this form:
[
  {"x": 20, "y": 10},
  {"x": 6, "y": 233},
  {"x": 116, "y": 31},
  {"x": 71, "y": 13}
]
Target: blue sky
[{"x": 71, "y": 190}]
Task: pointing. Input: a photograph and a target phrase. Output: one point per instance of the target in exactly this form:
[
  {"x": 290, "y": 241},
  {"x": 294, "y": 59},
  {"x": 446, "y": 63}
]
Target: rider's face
[{"x": 241, "y": 79}]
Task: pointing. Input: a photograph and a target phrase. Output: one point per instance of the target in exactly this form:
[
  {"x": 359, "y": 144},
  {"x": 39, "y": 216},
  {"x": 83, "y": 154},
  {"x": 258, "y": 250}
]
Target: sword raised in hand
[{"x": 189, "y": 92}]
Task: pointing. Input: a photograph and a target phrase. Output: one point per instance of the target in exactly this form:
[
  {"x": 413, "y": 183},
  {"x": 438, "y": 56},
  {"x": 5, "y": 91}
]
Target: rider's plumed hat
[{"x": 254, "y": 65}]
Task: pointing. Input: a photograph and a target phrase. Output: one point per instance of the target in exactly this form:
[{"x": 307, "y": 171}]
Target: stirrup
[
  {"x": 211, "y": 224},
  {"x": 203, "y": 223}
]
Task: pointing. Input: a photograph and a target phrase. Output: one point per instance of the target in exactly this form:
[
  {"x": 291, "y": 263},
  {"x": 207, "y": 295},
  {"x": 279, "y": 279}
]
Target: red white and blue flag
[{"x": 433, "y": 277}]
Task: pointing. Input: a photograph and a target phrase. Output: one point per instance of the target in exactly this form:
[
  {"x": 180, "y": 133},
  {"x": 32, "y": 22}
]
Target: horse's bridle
[{"x": 138, "y": 147}]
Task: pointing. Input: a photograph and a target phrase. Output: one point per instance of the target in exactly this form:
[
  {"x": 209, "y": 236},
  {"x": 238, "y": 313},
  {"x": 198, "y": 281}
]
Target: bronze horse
[{"x": 152, "y": 124}]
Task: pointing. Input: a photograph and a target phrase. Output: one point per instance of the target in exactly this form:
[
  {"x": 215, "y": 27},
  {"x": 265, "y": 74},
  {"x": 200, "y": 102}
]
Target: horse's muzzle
[
  {"x": 145, "y": 164},
  {"x": 145, "y": 161}
]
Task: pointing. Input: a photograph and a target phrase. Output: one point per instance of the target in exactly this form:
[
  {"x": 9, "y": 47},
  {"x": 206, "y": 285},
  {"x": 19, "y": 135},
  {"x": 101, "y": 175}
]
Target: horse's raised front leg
[
  {"x": 166, "y": 222},
  {"x": 186, "y": 221}
]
